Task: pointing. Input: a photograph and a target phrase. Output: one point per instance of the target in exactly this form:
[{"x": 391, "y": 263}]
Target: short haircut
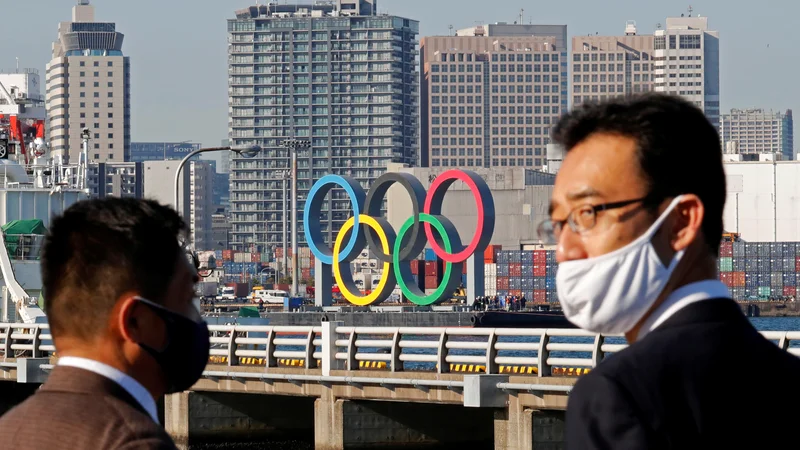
[
  {"x": 678, "y": 149},
  {"x": 100, "y": 249}
]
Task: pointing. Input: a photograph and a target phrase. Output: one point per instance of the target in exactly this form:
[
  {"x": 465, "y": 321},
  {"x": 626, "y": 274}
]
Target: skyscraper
[
  {"x": 687, "y": 62},
  {"x": 489, "y": 101},
  {"x": 609, "y": 66},
  {"x": 334, "y": 74},
  {"x": 88, "y": 86}
]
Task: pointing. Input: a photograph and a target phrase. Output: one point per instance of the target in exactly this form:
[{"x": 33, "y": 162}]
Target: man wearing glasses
[{"x": 636, "y": 215}]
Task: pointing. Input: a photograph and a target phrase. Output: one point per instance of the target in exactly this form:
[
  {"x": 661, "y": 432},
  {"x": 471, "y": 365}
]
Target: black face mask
[{"x": 185, "y": 355}]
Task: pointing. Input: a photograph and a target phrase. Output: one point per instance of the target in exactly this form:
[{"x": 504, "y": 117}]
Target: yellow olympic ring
[{"x": 386, "y": 247}]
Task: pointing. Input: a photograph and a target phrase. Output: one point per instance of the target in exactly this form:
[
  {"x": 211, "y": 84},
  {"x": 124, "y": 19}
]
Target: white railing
[{"x": 333, "y": 346}]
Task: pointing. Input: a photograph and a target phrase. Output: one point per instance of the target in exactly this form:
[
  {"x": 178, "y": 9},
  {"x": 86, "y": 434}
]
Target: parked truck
[{"x": 207, "y": 290}]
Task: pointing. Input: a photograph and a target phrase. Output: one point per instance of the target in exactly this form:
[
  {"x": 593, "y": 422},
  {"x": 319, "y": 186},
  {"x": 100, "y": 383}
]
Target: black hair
[
  {"x": 100, "y": 249},
  {"x": 678, "y": 149}
]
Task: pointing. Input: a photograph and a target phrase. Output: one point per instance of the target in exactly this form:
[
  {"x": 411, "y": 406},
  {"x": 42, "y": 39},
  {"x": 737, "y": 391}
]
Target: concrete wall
[
  {"x": 518, "y": 208},
  {"x": 763, "y": 200}
]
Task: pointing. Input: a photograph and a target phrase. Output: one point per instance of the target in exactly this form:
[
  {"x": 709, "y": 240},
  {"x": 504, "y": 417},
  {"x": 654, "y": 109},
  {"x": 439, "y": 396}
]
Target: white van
[{"x": 269, "y": 296}]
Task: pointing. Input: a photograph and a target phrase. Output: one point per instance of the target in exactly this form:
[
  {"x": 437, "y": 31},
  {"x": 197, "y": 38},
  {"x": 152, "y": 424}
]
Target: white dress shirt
[
  {"x": 133, "y": 387},
  {"x": 681, "y": 298}
]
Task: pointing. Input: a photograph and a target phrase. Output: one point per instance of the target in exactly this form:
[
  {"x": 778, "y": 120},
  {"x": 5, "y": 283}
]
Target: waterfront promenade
[{"x": 365, "y": 386}]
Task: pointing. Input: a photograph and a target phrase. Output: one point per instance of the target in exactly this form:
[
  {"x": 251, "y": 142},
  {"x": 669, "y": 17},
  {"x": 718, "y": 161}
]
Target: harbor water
[{"x": 306, "y": 442}]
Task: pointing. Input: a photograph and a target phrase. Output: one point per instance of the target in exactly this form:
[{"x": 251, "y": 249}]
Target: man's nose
[{"x": 570, "y": 246}]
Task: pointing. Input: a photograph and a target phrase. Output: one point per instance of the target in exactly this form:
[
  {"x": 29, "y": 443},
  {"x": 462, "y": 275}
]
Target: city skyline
[{"x": 176, "y": 107}]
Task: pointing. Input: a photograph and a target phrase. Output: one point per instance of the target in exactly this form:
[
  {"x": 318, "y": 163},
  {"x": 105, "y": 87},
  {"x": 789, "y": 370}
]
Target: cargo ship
[{"x": 34, "y": 186}]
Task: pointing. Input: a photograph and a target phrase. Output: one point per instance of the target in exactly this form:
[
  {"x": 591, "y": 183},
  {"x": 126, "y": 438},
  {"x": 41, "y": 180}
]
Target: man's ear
[
  {"x": 129, "y": 323},
  {"x": 687, "y": 222}
]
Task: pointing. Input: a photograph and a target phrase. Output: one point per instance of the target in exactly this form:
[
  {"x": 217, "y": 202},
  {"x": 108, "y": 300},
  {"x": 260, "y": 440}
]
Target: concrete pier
[{"x": 522, "y": 428}]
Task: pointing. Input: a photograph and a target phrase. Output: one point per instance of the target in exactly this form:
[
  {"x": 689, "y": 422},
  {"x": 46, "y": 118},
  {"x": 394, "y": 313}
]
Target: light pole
[
  {"x": 293, "y": 145},
  {"x": 247, "y": 151},
  {"x": 284, "y": 175}
]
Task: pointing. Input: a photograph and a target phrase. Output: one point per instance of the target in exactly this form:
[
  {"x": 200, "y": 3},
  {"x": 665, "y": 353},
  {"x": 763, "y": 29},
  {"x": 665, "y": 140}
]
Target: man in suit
[
  {"x": 636, "y": 214},
  {"x": 118, "y": 293}
]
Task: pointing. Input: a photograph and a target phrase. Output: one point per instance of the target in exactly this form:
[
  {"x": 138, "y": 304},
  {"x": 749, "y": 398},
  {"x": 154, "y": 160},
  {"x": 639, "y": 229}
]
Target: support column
[
  {"x": 476, "y": 277},
  {"x": 323, "y": 280},
  {"x": 176, "y": 418},
  {"x": 519, "y": 428},
  {"x": 328, "y": 423}
]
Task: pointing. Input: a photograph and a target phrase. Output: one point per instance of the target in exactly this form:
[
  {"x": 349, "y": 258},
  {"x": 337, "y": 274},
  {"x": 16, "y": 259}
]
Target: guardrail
[{"x": 333, "y": 346}]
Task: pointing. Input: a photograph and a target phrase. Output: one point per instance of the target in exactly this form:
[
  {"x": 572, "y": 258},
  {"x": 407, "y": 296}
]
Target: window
[
  {"x": 96, "y": 146},
  {"x": 111, "y": 74},
  {"x": 97, "y": 74},
  {"x": 83, "y": 63},
  {"x": 111, "y": 135},
  {"x": 96, "y": 95},
  {"x": 110, "y": 64},
  {"x": 83, "y": 84},
  {"x": 110, "y": 125},
  {"x": 110, "y": 104},
  {"x": 110, "y": 84},
  {"x": 83, "y": 74},
  {"x": 110, "y": 115},
  {"x": 96, "y": 115},
  {"x": 96, "y": 156},
  {"x": 110, "y": 94},
  {"x": 83, "y": 124},
  {"x": 96, "y": 105},
  {"x": 83, "y": 94},
  {"x": 97, "y": 125},
  {"x": 97, "y": 135},
  {"x": 110, "y": 145},
  {"x": 83, "y": 115},
  {"x": 97, "y": 84},
  {"x": 83, "y": 105}
]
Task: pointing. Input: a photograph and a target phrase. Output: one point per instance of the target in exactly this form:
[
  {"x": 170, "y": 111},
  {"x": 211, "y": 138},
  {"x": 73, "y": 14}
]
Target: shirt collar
[
  {"x": 681, "y": 298},
  {"x": 133, "y": 387}
]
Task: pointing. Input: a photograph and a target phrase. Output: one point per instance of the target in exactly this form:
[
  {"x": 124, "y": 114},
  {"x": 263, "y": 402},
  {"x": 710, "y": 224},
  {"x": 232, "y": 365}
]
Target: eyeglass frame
[{"x": 595, "y": 209}]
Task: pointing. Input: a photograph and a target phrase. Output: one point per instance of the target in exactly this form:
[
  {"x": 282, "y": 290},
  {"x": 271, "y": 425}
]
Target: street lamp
[
  {"x": 246, "y": 151},
  {"x": 293, "y": 145}
]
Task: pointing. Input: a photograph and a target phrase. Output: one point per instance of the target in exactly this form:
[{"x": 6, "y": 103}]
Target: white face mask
[{"x": 610, "y": 293}]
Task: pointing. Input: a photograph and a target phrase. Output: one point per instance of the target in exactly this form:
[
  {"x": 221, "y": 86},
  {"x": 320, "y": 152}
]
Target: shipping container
[
  {"x": 502, "y": 283},
  {"x": 431, "y": 268},
  {"x": 539, "y": 271},
  {"x": 539, "y": 296},
  {"x": 430, "y": 255},
  {"x": 539, "y": 257},
  {"x": 726, "y": 264},
  {"x": 726, "y": 249},
  {"x": 738, "y": 279},
  {"x": 790, "y": 291},
  {"x": 227, "y": 255},
  {"x": 490, "y": 254},
  {"x": 727, "y": 278},
  {"x": 515, "y": 269},
  {"x": 502, "y": 270},
  {"x": 415, "y": 266}
]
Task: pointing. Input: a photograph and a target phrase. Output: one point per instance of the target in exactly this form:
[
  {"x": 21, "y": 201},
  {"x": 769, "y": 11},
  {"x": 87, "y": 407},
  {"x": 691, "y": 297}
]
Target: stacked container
[
  {"x": 759, "y": 270},
  {"x": 529, "y": 273}
]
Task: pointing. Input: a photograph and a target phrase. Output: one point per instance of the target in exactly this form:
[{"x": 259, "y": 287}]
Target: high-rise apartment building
[
  {"x": 687, "y": 63},
  {"x": 755, "y": 131},
  {"x": 88, "y": 87},
  {"x": 336, "y": 75},
  {"x": 610, "y": 66}
]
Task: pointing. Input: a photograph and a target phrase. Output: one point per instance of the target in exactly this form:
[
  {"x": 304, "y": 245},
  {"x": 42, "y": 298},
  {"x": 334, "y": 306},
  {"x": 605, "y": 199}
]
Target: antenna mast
[
  {"x": 690, "y": 10},
  {"x": 522, "y": 16}
]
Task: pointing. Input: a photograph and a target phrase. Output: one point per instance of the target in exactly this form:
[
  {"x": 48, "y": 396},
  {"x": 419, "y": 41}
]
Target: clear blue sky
[{"x": 179, "y": 63}]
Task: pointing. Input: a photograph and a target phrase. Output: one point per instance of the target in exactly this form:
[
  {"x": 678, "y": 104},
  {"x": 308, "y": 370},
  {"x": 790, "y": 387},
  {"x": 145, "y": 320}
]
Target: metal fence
[{"x": 336, "y": 347}]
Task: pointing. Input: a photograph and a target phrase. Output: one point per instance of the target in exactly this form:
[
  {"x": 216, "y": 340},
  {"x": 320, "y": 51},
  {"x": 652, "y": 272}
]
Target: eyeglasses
[{"x": 580, "y": 220}]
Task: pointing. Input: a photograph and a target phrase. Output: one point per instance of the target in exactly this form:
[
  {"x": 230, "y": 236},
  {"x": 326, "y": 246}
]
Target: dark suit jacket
[
  {"x": 78, "y": 409},
  {"x": 703, "y": 379}
]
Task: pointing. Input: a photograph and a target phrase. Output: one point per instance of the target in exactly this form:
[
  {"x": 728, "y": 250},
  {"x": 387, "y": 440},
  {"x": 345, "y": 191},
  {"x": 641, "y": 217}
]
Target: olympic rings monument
[{"x": 396, "y": 249}]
